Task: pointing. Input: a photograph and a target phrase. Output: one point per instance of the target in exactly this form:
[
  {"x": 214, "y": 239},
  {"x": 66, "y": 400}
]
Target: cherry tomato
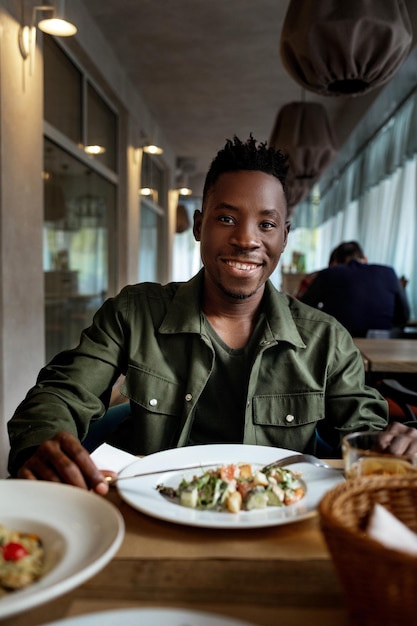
[{"x": 13, "y": 551}]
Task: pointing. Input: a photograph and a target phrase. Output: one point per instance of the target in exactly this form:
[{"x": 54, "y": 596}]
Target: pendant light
[
  {"x": 303, "y": 131},
  {"x": 344, "y": 47}
]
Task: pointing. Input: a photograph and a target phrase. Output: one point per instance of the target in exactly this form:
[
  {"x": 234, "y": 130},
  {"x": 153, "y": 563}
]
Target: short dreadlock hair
[{"x": 238, "y": 155}]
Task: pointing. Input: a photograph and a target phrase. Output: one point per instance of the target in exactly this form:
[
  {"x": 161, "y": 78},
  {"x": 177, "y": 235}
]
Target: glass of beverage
[{"x": 363, "y": 456}]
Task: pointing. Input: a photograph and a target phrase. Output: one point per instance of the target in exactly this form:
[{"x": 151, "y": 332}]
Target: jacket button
[
  {"x": 289, "y": 418},
  {"x": 188, "y": 397},
  {"x": 153, "y": 402}
]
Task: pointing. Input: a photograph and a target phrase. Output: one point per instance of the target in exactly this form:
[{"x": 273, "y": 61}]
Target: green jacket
[{"x": 307, "y": 375}]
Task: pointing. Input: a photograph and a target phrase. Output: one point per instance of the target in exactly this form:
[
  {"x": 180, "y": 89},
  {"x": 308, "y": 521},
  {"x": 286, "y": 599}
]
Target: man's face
[{"x": 243, "y": 231}]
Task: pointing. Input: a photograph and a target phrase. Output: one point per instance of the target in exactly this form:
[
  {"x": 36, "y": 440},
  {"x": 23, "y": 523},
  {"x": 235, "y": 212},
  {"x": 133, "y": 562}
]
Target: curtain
[{"x": 389, "y": 149}]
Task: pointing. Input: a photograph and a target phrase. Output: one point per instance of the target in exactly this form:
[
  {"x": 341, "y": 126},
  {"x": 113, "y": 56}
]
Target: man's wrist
[{"x": 20, "y": 459}]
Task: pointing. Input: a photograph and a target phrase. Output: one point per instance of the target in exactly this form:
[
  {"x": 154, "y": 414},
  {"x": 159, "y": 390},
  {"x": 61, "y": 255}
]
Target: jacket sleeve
[
  {"x": 74, "y": 387},
  {"x": 351, "y": 404}
]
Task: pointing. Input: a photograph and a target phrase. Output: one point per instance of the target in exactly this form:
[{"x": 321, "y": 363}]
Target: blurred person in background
[
  {"x": 309, "y": 278},
  {"x": 360, "y": 295}
]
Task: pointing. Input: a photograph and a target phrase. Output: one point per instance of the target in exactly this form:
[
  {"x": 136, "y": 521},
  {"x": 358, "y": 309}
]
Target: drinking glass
[{"x": 363, "y": 456}]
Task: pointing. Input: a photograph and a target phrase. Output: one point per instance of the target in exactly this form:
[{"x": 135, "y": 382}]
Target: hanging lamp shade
[
  {"x": 183, "y": 221},
  {"x": 304, "y": 132},
  {"x": 297, "y": 191},
  {"x": 344, "y": 47}
]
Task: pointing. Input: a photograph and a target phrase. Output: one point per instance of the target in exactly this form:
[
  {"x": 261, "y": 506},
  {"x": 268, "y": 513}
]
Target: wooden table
[
  {"x": 281, "y": 575},
  {"x": 388, "y": 355}
]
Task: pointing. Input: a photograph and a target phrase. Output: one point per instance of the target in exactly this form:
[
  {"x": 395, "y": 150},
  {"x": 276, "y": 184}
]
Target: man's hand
[
  {"x": 63, "y": 459},
  {"x": 398, "y": 439}
]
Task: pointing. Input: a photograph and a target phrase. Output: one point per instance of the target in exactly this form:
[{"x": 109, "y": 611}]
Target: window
[
  {"x": 79, "y": 207},
  {"x": 62, "y": 92},
  {"x": 152, "y": 201},
  {"x": 101, "y": 130},
  {"x": 79, "y": 199},
  {"x": 148, "y": 242}
]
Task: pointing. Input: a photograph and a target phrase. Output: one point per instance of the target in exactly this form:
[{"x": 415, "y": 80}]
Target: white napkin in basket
[
  {"x": 390, "y": 531},
  {"x": 107, "y": 457}
]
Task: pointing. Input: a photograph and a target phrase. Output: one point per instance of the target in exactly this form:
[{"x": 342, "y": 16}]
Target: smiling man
[{"x": 224, "y": 357}]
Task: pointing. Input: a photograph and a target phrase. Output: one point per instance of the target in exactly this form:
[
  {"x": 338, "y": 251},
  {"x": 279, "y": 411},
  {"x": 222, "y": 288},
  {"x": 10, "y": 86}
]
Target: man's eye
[
  {"x": 226, "y": 218},
  {"x": 267, "y": 225}
]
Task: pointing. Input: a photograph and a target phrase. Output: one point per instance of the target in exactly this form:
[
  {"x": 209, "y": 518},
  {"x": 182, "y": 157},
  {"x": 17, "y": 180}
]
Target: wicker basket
[{"x": 380, "y": 584}]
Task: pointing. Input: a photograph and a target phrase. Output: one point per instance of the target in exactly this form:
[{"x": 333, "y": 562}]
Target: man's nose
[{"x": 246, "y": 235}]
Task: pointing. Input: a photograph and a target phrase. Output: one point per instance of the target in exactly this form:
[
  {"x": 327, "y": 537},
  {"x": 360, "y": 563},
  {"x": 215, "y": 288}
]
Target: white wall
[{"x": 21, "y": 216}]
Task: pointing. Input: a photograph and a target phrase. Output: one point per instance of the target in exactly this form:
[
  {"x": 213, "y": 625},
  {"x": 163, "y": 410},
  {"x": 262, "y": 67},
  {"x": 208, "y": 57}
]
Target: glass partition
[
  {"x": 79, "y": 214},
  {"x": 63, "y": 84},
  {"x": 79, "y": 200}
]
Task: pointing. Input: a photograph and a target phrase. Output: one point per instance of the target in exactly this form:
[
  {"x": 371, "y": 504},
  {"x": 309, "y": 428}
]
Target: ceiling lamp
[
  {"x": 344, "y": 47},
  {"x": 183, "y": 221},
  {"x": 303, "y": 131}
]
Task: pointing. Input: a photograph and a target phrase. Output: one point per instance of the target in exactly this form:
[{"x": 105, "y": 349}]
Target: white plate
[
  {"x": 141, "y": 493},
  {"x": 80, "y": 530},
  {"x": 150, "y": 617}
]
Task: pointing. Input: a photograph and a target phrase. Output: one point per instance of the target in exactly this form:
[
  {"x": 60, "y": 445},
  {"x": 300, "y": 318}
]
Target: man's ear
[
  {"x": 198, "y": 217},
  {"x": 287, "y": 232}
]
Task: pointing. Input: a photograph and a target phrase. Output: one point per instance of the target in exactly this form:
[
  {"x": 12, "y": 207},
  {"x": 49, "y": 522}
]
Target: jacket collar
[{"x": 184, "y": 313}]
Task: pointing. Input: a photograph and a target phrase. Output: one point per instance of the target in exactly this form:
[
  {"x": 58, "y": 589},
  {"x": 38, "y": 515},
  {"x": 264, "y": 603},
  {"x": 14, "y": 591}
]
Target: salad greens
[{"x": 237, "y": 487}]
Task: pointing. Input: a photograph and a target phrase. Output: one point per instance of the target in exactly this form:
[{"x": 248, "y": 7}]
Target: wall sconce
[
  {"x": 151, "y": 194},
  {"x": 185, "y": 167},
  {"x": 152, "y": 148},
  {"x": 184, "y": 190},
  {"x": 53, "y": 22},
  {"x": 93, "y": 150}
]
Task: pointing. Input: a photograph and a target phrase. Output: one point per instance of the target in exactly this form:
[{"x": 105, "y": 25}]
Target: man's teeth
[{"x": 242, "y": 266}]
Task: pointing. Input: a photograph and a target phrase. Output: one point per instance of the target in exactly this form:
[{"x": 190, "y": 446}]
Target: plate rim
[
  {"x": 90, "y": 619},
  {"x": 32, "y": 596}
]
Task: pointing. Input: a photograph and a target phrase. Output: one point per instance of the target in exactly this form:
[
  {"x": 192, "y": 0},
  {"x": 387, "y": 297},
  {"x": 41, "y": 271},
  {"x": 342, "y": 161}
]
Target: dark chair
[
  {"x": 402, "y": 396},
  {"x": 101, "y": 428}
]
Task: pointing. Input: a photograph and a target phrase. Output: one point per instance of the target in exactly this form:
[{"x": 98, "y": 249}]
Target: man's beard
[{"x": 237, "y": 296}]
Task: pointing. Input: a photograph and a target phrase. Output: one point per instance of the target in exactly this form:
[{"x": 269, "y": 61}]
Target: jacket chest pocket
[
  {"x": 153, "y": 393},
  {"x": 287, "y": 420},
  {"x": 288, "y": 410}
]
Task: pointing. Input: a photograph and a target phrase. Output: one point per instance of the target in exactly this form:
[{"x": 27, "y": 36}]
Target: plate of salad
[{"x": 232, "y": 488}]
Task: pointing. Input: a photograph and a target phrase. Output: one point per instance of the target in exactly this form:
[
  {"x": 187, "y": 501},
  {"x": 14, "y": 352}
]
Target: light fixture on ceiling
[
  {"x": 303, "y": 131},
  {"x": 52, "y": 22},
  {"x": 344, "y": 48}
]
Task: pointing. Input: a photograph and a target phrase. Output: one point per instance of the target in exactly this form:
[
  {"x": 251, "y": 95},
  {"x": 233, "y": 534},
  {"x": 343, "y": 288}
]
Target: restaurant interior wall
[{"x": 21, "y": 193}]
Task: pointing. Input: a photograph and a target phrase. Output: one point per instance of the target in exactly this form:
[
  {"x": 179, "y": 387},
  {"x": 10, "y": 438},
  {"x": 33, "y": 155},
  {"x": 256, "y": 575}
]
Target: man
[
  {"x": 224, "y": 357},
  {"x": 310, "y": 278},
  {"x": 361, "y": 296}
]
